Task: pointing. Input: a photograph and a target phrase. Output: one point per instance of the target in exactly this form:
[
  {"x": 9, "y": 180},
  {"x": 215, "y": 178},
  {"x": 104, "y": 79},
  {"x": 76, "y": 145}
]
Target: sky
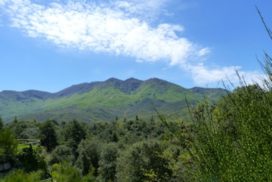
[{"x": 52, "y": 44}]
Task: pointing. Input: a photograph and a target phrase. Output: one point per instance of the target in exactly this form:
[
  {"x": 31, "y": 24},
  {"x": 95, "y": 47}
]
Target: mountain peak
[
  {"x": 157, "y": 81},
  {"x": 130, "y": 85},
  {"x": 113, "y": 80},
  {"x": 131, "y": 79}
]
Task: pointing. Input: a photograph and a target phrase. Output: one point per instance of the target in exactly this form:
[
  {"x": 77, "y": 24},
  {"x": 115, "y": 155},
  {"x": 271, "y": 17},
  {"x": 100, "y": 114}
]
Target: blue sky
[{"x": 49, "y": 45}]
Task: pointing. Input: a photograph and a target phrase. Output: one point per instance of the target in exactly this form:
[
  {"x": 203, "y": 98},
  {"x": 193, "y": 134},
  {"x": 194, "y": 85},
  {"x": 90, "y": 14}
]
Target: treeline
[{"x": 134, "y": 150}]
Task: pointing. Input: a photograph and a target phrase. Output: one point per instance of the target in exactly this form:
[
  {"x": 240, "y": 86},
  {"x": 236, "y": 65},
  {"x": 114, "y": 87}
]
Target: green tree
[
  {"x": 48, "y": 136},
  {"x": 8, "y": 145},
  {"x": 144, "y": 161},
  {"x": 89, "y": 155},
  {"x": 74, "y": 133},
  {"x": 108, "y": 162},
  {"x": 64, "y": 172},
  {"x": 30, "y": 160},
  {"x": 61, "y": 153},
  {"x": 25, "y": 129}
]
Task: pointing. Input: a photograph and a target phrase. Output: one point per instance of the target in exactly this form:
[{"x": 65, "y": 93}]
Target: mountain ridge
[
  {"x": 104, "y": 100},
  {"x": 85, "y": 85}
]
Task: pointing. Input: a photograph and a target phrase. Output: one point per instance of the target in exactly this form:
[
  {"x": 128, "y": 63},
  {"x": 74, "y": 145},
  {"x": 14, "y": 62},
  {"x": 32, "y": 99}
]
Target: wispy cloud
[
  {"x": 233, "y": 74},
  {"x": 101, "y": 28},
  {"x": 145, "y": 9},
  {"x": 118, "y": 27}
]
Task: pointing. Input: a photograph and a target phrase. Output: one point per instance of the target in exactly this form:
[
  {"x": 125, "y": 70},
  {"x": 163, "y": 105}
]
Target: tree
[
  {"x": 65, "y": 172},
  {"x": 48, "y": 136},
  {"x": 8, "y": 145},
  {"x": 88, "y": 158},
  {"x": 25, "y": 129},
  {"x": 108, "y": 163},
  {"x": 144, "y": 161},
  {"x": 30, "y": 160},
  {"x": 61, "y": 153},
  {"x": 74, "y": 133}
]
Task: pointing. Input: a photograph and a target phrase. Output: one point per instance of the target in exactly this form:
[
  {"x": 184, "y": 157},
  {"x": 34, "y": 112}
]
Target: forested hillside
[{"x": 104, "y": 101}]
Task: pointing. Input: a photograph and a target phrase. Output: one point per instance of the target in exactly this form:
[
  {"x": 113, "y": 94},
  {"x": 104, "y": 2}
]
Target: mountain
[{"x": 105, "y": 100}]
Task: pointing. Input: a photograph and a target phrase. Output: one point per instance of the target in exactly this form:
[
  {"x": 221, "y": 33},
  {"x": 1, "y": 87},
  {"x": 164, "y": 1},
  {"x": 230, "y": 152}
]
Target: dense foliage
[
  {"x": 234, "y": 137},
  {"x": 123, "y": 150}
]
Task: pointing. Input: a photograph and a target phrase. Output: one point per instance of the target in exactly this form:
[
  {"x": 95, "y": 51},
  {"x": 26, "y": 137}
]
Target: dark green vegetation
[
  {"x": 133, "y": 150},
  {"x": 104, "y": 101}
]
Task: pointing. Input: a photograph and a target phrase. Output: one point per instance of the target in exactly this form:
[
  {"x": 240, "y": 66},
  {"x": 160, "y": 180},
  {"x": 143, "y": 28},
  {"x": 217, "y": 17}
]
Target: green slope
[{"x": 106, "y": 100}]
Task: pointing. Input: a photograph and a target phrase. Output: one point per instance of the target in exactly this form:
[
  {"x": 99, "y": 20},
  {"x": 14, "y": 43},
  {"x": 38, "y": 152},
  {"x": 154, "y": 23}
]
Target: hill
[{"x": 105, "y": 100}]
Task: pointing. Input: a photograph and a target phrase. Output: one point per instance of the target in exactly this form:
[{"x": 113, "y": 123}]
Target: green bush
[
  {"x": 108, "y": 162},
  {"x": 20, "y": 176},
  {"x": 61, "y": 153},
  {"x": 31, "y": 160},
  {"x": 233, "y": 140},
  {"x": 8, "y": 145},
  {"x": 144, "y": 161}
]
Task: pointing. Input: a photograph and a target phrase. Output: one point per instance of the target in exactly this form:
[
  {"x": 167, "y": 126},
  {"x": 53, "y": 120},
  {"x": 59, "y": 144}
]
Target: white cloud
[
  {"x": 203, "y": 75},
  {"x": 147, "y": 9},
  {"x": 102, "y": 28},
  {"x": 204, "y": 52},
  {"x": 118, "y": 27}
]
